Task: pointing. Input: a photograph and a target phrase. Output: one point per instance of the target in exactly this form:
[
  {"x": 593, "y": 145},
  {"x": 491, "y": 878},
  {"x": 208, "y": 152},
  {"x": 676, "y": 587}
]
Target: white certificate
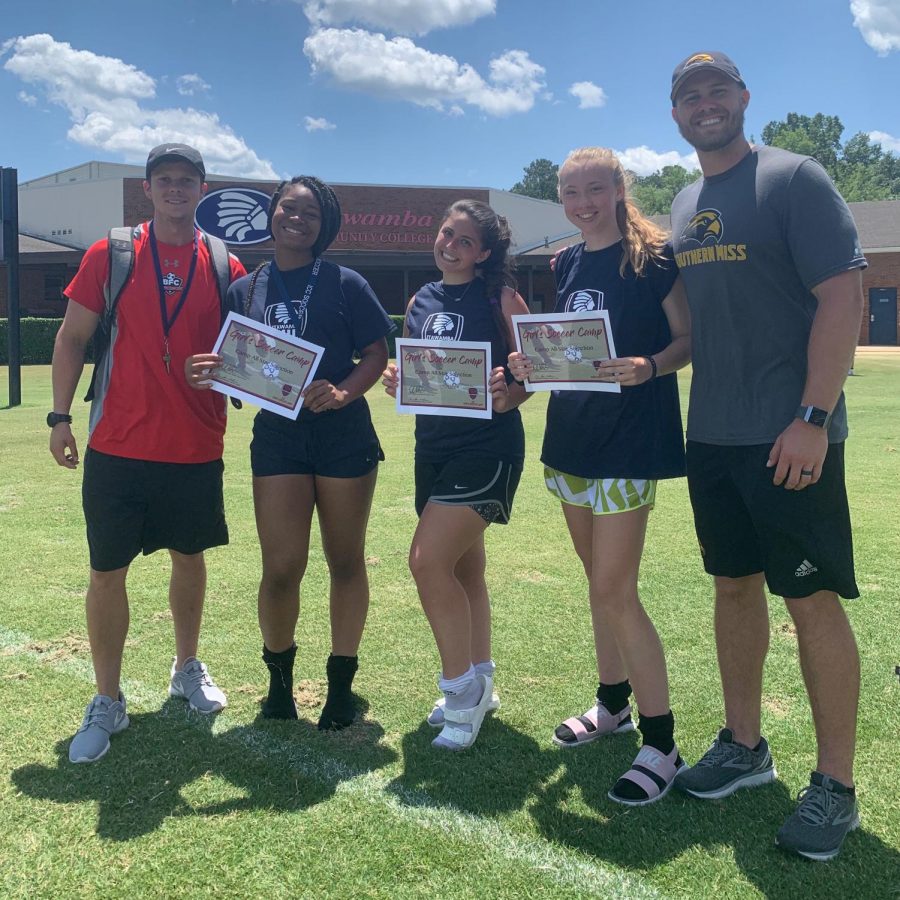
[
  {"x": 566, "y": 350},
  {"x": 444, "y": 378},
  {"x": 264, "y": 366}
]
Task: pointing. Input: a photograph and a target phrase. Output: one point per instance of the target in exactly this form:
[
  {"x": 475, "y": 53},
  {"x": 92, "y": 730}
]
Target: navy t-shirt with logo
[
  {"x": 343, "y": 314},
  {"x": 463, "y": 313},
  {"x": 635, "y": 434}
]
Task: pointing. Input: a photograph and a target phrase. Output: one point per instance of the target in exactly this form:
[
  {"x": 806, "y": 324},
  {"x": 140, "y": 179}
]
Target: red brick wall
[
  {"x": 375, "y": 217},
  {"x": 883, "y": 271}
]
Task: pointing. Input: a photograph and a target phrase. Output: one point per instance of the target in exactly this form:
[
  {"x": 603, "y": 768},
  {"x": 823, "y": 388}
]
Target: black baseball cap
[
  {"x": 179, "y": 152},
  {"x": 697, "y": 62}
]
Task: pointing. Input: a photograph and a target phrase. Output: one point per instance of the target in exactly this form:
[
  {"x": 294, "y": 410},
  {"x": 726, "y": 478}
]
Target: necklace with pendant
[{"x": 458, "y": 299}]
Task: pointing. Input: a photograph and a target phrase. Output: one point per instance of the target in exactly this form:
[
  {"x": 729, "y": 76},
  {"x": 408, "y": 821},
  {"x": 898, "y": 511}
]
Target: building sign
[
  {"x": 392, "y": 219},
  {"x": 237, "y": 215},
  {"x": 380, "y": 218}
]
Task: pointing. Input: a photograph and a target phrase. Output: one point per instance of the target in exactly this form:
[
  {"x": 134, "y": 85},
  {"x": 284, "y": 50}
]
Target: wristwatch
[
  {"x": 55, "y": 418},
  {"x": 815, "y": 416}
]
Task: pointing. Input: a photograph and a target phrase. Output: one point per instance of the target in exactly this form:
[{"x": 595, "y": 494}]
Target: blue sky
[{"x": 441, "y": 92}]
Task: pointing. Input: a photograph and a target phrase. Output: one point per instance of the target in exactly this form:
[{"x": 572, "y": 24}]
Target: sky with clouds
[{"x": 443, "y": 92}]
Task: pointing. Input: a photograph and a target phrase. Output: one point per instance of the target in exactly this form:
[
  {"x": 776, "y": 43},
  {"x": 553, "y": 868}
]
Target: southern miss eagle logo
[{"x": 705, "y": 225}]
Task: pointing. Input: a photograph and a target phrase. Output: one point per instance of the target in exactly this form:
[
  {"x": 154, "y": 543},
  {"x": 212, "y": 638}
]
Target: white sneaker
[
  {"x": 102, "y": 718},
  {"x": 195, "y": 684}
]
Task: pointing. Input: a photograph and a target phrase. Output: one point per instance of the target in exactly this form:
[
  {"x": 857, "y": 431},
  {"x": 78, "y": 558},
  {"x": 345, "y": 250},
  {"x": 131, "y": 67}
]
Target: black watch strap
[
  {"x": 55, "y": 418},
  {"x": 815, "y": 416}
]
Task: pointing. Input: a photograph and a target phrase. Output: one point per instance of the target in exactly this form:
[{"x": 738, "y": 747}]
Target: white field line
[{"x": 565, "y": 868}]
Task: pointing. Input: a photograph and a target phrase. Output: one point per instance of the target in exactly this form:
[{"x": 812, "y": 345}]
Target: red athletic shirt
[{"x": 149, "y": 413}]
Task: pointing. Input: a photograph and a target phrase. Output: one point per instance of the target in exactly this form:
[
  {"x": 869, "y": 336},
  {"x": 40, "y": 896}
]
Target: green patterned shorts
[{"x": 602, "y": 496}]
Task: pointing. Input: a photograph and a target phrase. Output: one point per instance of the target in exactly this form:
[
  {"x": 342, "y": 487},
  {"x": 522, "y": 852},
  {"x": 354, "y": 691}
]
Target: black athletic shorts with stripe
[
  {"x": 486, "y": 484},
  {"x": 746, "y": 524},
  {"x": 133, "y": 506}
]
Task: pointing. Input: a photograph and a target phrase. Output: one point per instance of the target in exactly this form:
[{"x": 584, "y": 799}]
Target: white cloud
[
  {"x": 403, "y": 16},
  {"x": 322, "y": 124},
  {"x": 879, "y": 23},
  {"x": 27, "y": 99},
  {"x": 103, "y": 95},
  {"x": 188, "y": 85},
  {"x": 590, "y": 95},
  {"x": 888, "y": 141},
  {"x": 399, "y": 69},
  {"x": 644, "y": 161}
]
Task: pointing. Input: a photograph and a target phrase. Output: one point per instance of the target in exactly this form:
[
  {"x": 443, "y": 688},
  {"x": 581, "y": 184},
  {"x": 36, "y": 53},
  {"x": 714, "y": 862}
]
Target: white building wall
[
  {"x": 75, "y": 213},
  {"x": 533, "y": 222}
]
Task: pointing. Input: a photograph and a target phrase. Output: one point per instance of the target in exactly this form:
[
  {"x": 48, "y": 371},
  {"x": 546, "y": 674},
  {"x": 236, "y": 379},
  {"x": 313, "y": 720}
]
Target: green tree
[
  {"x": 655, "y": 193},
  {"x": 539, "y": 179},
  {"x": 860, "y": 168},
  {"x": 817, "y": 136}
]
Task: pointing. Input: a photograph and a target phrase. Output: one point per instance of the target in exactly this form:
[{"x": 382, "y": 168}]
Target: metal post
[{"x": 9, "y": 215}]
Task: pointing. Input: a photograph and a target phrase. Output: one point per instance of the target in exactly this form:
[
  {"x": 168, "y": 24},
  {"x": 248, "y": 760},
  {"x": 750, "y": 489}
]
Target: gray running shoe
[
  {"x": 195, "y": 684},
  {"x": 726, "y": 767},
  {"x": 102, "y": 718},
  {"x": 825, "y": 813}
]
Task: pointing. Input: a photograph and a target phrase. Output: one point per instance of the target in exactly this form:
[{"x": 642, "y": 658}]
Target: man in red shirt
[{"x": 153, "y": 466}]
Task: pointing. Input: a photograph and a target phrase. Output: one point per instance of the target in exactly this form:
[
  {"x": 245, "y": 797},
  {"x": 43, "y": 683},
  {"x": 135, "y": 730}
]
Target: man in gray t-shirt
[{"x": 771, "y": 262}]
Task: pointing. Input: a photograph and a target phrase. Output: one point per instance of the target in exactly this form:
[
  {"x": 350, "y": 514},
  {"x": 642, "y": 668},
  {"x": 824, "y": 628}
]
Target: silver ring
[{"x": 806, "y": 473}]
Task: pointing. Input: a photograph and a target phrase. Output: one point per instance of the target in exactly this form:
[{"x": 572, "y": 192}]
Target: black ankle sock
[
  {"x": 279, "y": 704},
  {"x": 614, "y": 696},
  {"x": 658, "y": 731},
  {"x": 340, "y": 707}
]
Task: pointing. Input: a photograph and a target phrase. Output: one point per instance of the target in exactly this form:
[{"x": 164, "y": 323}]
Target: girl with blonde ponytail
[{"x": 604, "y": 452}]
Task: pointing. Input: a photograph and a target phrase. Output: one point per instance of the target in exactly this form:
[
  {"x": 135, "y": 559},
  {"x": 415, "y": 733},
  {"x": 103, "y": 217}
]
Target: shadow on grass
[
  {"x": 141, "y": 782},
  {"x": 643, "y": 838},
  {"x": 498, "y": 775}
]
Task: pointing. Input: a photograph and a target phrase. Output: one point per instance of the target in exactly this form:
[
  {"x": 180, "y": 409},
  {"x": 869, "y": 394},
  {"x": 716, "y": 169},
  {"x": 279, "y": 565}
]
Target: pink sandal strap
[{"x": 651, "y": 760}]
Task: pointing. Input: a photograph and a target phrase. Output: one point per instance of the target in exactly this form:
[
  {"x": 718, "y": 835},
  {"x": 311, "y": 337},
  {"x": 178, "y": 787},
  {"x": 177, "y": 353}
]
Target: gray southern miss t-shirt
[{"x": 751, "y": 244}]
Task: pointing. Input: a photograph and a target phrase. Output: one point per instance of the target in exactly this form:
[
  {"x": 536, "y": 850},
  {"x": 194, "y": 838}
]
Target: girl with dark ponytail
[
  {"x": 604, "y": 452},
  {"x": 326, "y": 460},
  {"x": 466, "y": 470}
]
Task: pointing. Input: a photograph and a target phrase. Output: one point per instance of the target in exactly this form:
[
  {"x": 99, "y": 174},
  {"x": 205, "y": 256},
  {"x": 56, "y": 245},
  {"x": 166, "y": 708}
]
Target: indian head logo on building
[
  {"x": 702, "y": 240},
  {"x": 236, "y": 215}
]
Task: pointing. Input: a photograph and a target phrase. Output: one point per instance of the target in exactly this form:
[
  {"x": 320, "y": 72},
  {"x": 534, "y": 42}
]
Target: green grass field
[{"x": 234, "y": 806}]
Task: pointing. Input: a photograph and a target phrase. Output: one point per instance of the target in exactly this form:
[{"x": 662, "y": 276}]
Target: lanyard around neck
[
  {"x": 167, "y": 322},
  {"x": 285, "y": 298}
]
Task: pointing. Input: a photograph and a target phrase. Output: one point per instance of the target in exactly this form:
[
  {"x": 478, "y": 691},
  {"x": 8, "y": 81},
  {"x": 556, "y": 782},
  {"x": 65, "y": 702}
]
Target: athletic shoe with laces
[
  {"x": 195, "y": 684},
  {"x": 102, "y": 718},
  {"x": 826, "y": 812},
  {"x": 726, "y": 767}
]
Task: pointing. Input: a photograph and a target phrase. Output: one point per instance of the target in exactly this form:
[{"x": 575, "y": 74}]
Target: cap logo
[{"x": 699, "y": 58}]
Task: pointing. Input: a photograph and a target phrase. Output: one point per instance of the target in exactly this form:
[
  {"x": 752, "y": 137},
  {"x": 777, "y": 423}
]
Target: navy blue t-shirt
[
  {"x": 343, "y": 315},
  {"x": 635, "y": 434},
  {"x": 463, "y": 313}
]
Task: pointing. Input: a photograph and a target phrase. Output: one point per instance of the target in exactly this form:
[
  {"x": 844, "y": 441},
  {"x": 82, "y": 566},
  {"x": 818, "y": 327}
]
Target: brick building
[{"x": 387, "y": 235}]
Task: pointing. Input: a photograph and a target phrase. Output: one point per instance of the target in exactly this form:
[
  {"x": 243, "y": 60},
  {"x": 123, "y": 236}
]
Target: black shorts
[
  {"x": 486, "y": 484},
  {"x": 801, "y": 540},
  {"x": 132, "y": 506},
  {"x": 338, "y": 443}
]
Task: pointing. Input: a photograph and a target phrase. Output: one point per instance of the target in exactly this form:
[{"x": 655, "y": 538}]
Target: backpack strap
[
  {"x": 120, "y": 249},
  {"x": 120, "y": 242},
  {"x": 220, "y": 258}
]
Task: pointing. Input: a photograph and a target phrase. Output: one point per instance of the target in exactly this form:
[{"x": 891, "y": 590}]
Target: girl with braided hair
[
  {"x": 327, "y": 459},
  {"x": 466, "y": 470},
  {"x": 604, "y": 452}
]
